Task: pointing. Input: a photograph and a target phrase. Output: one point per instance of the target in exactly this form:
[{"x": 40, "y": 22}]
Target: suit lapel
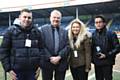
[
  {"x": 60, "y": 35},
  {"x": 50, "y": 35}
]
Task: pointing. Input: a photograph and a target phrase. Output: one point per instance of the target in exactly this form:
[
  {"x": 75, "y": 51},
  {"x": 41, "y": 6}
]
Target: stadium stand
[{"x": 115, "y": 26}]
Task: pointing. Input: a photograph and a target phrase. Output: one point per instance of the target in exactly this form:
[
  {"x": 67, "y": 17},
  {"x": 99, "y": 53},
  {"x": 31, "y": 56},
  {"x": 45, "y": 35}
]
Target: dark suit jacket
[{"x": 47, "y": 36}]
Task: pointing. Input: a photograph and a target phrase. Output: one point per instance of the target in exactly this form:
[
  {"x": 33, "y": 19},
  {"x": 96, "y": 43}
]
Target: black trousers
[
  {"x": 47, "y": 74},
  {"x": 25, "y": 74},
  {"x": 79, "y": 73},
  {"x": 103, "y": 72}
]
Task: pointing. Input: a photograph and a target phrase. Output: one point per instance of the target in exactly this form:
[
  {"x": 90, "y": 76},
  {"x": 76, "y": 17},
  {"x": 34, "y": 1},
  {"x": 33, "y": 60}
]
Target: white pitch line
[
  {"x": 68, "y": 74},
  {"x": 117, "y": 71},
  {"x": 91, "y": 76}
]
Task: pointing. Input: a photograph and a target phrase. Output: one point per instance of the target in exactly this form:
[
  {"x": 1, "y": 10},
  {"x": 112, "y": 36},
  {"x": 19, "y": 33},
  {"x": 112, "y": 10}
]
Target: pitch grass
[
  {"x": 1, "y": 73},
  {"x": 116, "y": 76}
]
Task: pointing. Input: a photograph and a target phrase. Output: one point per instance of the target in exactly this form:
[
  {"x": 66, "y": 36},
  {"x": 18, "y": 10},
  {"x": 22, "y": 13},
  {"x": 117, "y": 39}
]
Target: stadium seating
[{"x": 115, "y": 26}]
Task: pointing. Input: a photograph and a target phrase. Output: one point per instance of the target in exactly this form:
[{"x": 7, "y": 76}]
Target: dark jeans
[
  {"x": 25, "y": 74},
  {"x": 103, "y": 72},
  {"x": 48, "y": 74},
  {"x": 79, "y": 73}
]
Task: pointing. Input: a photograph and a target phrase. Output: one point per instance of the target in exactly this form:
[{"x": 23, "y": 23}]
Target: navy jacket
[
  {"x": 13, "y": 52},
  {"x": 109, "y": 44}
]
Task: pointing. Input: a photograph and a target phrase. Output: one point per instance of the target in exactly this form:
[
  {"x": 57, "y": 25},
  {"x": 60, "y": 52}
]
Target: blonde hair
[{"x": 80, "y": 36}]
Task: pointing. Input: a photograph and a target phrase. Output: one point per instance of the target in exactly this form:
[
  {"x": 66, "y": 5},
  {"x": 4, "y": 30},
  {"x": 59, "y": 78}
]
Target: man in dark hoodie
[
  {"x": 105, "y": 46},
  {"x": 21, "y": 48}
]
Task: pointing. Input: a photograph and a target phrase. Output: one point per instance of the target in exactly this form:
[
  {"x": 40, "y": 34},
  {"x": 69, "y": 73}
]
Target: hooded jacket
[{"x": 83, "y": 47}]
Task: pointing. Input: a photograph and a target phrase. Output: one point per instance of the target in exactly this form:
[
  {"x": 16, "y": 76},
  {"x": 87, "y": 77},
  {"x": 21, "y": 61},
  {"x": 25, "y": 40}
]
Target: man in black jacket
[
  {"x": 21, "y": 48},
  {"x": 105, "y": 46}
]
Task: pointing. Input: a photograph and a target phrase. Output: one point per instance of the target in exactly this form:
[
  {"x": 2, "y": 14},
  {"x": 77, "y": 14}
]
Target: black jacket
[
  {"x": 109, "y": 45},
  {"x": 13, "y": 52}
]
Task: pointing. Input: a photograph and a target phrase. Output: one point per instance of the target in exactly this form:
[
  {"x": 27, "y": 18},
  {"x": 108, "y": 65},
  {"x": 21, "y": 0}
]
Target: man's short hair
[
  {"x": 99, "y": 16},
  {"x": 56, "y": 11},
  {"x": 25, "y": 10}
]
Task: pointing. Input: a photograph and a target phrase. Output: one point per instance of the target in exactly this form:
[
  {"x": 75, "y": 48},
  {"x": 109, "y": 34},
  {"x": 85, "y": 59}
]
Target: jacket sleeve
[
  {"x": 41, "y": 46},
  {"x": 46, "y": 52},
  {"x": 87, "y": 46},
  {"x": 115, "y": 45},
  {"x": 65, "y": 50},
  {"x": 5, "y": 51}
]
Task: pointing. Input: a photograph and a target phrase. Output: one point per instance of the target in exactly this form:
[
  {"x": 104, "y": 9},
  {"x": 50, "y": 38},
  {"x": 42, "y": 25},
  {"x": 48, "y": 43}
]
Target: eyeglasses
[{"x": 98, "y": 22}]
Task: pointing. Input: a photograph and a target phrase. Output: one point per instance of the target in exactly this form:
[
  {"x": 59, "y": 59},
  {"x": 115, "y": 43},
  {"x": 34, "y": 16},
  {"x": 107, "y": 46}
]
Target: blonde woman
[{"x": 80, "y": 53}]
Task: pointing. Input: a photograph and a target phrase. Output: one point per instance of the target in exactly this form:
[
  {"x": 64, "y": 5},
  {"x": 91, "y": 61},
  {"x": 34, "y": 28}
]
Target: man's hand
[
  {"x": 13, "y": 75},
  {"x": 102, "y": 56},
  {"x": 55, "y": 59}
]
